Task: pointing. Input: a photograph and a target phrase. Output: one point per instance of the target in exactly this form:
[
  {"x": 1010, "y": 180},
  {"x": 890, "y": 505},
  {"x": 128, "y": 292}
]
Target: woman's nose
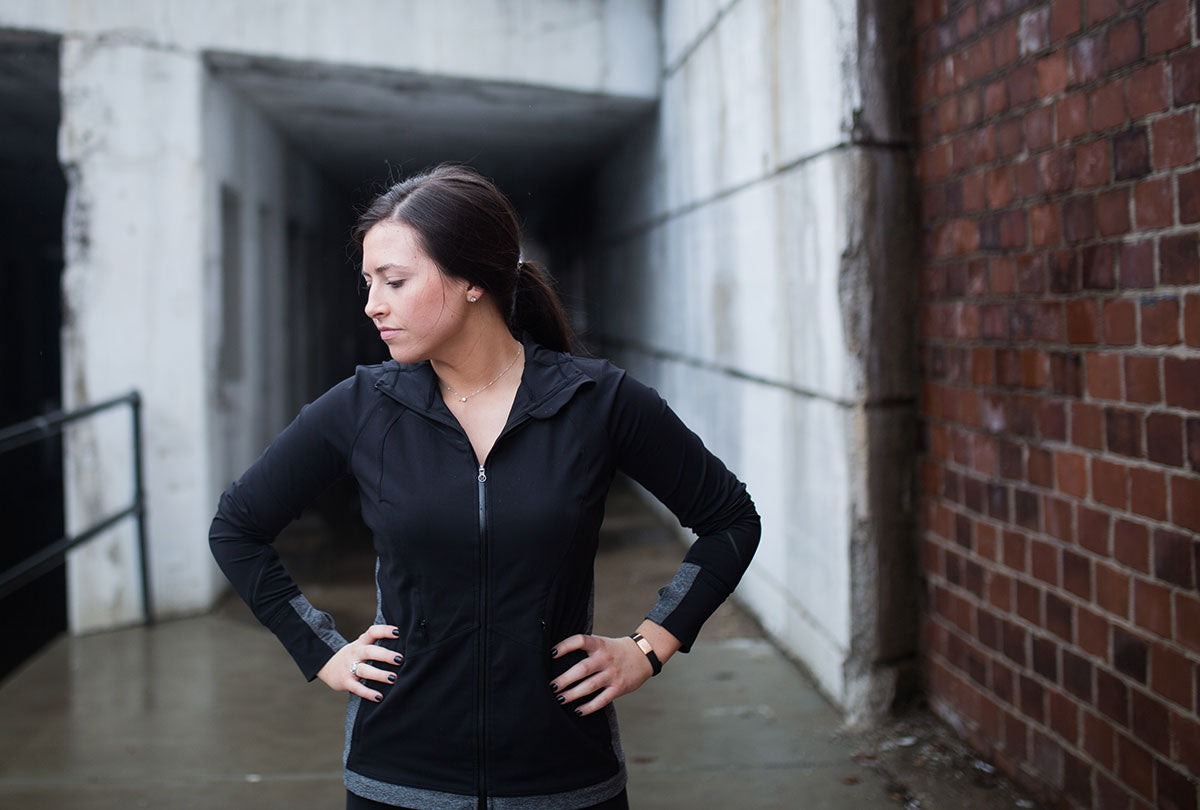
[{"x": 374, "y": 306}]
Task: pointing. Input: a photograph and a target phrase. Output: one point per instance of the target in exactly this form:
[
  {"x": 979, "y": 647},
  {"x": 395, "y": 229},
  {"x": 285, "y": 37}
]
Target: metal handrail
[{"x": 53, "y": 424}]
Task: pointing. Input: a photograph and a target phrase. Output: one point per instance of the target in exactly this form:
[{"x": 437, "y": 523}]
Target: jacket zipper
[{"x": 481, "y": 477}]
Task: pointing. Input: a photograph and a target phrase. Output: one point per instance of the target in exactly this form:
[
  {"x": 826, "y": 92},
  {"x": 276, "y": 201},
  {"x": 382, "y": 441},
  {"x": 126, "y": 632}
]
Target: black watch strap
[{"x": 645, "y": 647}]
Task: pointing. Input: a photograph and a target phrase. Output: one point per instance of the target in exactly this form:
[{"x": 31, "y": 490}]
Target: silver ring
[{"x": 354, "y": 668}]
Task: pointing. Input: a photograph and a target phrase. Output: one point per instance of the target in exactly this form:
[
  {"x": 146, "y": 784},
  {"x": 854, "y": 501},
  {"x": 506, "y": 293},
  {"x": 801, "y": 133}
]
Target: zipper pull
[{"x": 482, "y": 475}]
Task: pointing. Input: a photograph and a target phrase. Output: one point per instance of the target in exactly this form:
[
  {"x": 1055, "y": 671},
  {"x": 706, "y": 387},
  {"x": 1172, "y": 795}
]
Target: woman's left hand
[{"x": 613, "y": 667}]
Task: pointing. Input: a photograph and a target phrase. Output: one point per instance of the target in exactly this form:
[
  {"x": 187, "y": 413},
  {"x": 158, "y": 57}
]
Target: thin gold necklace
[{"x": 462, "y": 398}]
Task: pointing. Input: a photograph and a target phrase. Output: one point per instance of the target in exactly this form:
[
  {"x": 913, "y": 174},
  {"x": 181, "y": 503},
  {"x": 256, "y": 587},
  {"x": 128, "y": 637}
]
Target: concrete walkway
[{"x": 210, "y": 712}]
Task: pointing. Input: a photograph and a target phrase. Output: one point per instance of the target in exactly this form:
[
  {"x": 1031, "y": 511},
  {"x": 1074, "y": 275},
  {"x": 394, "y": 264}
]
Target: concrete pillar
[
  {"x": 757, "y": 269},
  {"x": 135, "y": 308}
]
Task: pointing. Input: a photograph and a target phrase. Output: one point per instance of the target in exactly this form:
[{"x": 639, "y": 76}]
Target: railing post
[{"x": 139, "y": 499}]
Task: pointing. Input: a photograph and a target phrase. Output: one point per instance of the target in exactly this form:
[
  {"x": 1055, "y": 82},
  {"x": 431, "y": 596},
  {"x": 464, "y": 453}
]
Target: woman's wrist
[{"x": 661, "y": 641}]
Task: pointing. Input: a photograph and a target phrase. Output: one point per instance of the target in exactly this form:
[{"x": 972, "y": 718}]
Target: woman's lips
[{"x": 387, "y": 334}]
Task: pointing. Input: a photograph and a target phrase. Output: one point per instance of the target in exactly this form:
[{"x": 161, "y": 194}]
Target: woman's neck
[{"x": 478, "y": 359}]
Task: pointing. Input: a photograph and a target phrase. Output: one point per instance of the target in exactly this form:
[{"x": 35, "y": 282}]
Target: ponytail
[{"x": 537, "y": 309}]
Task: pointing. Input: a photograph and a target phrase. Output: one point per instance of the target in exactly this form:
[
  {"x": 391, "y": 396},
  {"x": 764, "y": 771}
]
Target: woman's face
[{"x": 414, "y": 305}]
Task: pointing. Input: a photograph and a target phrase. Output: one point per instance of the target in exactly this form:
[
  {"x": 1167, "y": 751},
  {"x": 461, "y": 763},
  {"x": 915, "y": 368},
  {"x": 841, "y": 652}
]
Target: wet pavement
[{"x": 210, "y": 712}]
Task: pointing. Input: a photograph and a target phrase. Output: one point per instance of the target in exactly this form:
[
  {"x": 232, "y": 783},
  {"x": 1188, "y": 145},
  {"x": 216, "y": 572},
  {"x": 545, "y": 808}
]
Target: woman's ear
[{"x": 474, "y": 293}]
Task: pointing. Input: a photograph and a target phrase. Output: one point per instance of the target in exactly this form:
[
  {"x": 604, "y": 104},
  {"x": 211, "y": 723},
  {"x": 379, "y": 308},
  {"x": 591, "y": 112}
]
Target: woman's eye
[{"x": 396, "y": 283}]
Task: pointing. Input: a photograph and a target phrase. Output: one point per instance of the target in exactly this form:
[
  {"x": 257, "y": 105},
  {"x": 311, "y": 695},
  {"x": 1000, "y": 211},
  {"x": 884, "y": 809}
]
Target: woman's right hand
[{"x": 336, "y": 672}]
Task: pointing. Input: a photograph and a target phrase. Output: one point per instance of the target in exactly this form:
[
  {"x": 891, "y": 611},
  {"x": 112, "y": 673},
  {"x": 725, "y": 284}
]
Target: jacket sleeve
[
  {"x": 309, "y": 455},
  {"x": 658, "y": 451}
]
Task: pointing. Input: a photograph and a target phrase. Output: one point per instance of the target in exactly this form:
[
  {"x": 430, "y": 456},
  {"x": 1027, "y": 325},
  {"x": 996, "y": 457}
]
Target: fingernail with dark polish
[
  {"x": 553, "y": 687},
  {"x": 396, "y": 632},
  {"x": 579, "y": 712},
  {"x": 561, "y": 699},
  {"x": 399, "y": 659},
  {"x": 379, "y": 699},
  {"x": 391, "y": 678},
  {"x": 554, "y": 653}
]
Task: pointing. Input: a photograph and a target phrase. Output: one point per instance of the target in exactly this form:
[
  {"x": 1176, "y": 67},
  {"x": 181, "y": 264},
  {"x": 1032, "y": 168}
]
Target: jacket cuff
[
  {"x": 686, "y": 602},
  {"x": 307, "y": 634}
]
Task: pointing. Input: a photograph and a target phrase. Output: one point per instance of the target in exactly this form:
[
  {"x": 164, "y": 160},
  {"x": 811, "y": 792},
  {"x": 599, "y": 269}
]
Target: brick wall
[{"x": 1060, "y": 349}]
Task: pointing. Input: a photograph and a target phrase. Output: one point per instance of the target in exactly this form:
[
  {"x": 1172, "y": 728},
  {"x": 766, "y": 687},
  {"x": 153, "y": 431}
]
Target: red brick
[
  {"x": 1098, "y": 268},
  {"x": 1014, "y": 550},
  {"x": 1103, "y": 372},
  {"x": 1051, "y": 420},
  {"x": 1160, "y": 321},
  {"x": 1137, "y": 264},
  {"x": 1108, "y": 483},
  {"x": 1041, "y": 467},
  {"x": 1022, "y": 84},
  {"x": 1098, "y": 10},
  {"x": 1185, "y": 735},
  {"x": 1135, "y": 766},
  {"x": 1173, "y": 558},
  {"x": 1131, "y": 154},
  {"x": 1064, "y": 717},
  {"x": 1131, "y": 544},
  {"x": 1027, "y": 178},
  {"x": 1191, "y": 319},
  {"x": 1092, "y": 163},
  {"x": 1082, "y": 321},
  {"x": 1029, "y": 606},
  {"x": 1152, "y": 607},
  {"x": 1142, "y": 379},
  {"x": 1066, "y": 17},
  {"x": 1043, "y": 561},
  {"x": 1057, "y": 169},
  {"x": 1087, "y": 426},
  {"x": 1174, "y": 140},
  {"x": 1087, "y": 59},
  {"x": 1066, "y": 374},
  {"x": 1077, "y": 573},
  {"x": 1174, "y": 789},
  {"x": 1026, "y": 509},
  {"x": 1120, "y": 322},
  {"x": 1099, "y": 742},
  {"x": 1092, "y": 632},
  {"x": 1182, "y": 382},
  {"x": 1070, "y": 473},
  {"x": 1107, "y": 104},
  {"x": 1032, "y": 698},
  {"x": 1153, "y": 204},
  {"x": 1167, "y": 26},
  {"x": 1112, "y": 696},
  {"x": 1059, "y": 518},
  {"x": 1148, "y": 492},
  {"x": 1185, "y": 77},
  {"x": 1109, "y": 794},
  {"x": 1193, "y": 443},
  {"x": 1043, "y": 225},
  {"x": 999, "y": 187},
  {"x": 1185, "y": 502},
  {"x": 1187, "y": 620},
  {"x": 1146, "y": 90},
  {"x": 1058, "y": 616},
  {"x": 1164, "y": 437},
  {"x": 1178, "y": 259},
  {"x": 1071, "y": 114},
  {"x": 1151, "y": 722},
  {"x": 1171, "y": 675},
  {"x": 1112, "y": 210},
  {"x": 1112, "y": 589},
  {"x": 1052, "y": 73},
  {"x": 1124, "y": 43},
  {"x": 1004, "y": 44},
  {"x": 1079, "y": 218},
  {"x": 1039, "y": 127},
  {"x": 1095, "y": 527},
  {"x": 1189, "y": 197}
]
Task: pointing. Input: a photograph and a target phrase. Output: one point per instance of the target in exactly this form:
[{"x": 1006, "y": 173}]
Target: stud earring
[{"x": 472, "y": 299}]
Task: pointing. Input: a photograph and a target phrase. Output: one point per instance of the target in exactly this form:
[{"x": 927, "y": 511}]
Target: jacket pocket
[{"x": 423, "y": 732}]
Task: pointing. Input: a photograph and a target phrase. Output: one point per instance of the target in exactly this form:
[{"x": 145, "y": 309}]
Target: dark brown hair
[{"x": 470, "y": 230}]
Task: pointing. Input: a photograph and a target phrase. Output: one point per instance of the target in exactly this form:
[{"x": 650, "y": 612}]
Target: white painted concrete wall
[
  {"x": 727, "y": 223},
  {"x": 133, "y": 287}
]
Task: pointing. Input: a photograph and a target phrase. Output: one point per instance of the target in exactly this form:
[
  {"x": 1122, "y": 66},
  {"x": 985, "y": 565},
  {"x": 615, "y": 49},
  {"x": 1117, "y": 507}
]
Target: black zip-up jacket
[{"x": 483, "y": 569}]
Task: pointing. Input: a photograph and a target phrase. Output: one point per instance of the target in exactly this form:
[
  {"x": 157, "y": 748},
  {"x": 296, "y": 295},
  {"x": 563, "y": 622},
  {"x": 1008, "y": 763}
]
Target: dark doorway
[{"x": 32, "y": 194}]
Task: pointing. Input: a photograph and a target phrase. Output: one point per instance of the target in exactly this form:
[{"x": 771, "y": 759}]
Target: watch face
[{"x": 644, "y": 645}]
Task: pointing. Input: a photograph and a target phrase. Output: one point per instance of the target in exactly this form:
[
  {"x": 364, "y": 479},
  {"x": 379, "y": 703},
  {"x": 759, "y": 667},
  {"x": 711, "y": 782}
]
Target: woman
[{"x": 483, "y": 455}]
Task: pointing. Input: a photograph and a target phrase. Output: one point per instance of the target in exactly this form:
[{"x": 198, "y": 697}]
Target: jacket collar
[{"x": 548, "y": 382}]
